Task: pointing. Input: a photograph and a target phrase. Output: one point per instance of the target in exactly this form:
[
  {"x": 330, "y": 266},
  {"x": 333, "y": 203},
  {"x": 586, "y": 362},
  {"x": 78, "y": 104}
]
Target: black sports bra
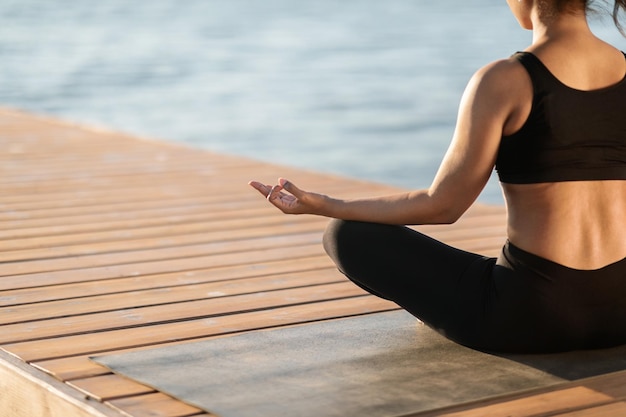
[{"x": 570, "y": 135}]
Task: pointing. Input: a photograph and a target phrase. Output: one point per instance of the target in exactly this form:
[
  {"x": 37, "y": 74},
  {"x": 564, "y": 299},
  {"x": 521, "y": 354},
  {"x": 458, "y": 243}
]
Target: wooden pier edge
[{"x": 29, "y": 392}]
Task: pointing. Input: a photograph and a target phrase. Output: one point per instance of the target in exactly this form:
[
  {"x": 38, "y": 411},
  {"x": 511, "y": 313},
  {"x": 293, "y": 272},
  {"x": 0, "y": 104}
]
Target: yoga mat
[{"x": 385, "y": 364}]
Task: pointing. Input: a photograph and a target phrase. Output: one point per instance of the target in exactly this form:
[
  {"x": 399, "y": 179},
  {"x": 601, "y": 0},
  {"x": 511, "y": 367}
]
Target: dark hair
[
  {"x": 618, "y": 6},
  {"x": 589, "y": 6}
]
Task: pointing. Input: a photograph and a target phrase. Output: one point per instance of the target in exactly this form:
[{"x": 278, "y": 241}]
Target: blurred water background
[{"x": 363, "y": 88}]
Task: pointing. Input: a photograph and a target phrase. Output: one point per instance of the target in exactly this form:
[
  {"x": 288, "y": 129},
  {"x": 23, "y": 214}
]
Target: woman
[{"x": 552, "y": 120}]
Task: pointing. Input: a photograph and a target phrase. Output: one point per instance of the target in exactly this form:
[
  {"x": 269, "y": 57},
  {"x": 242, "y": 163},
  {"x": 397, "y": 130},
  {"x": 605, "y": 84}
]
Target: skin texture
[{"x": 577, "y": 224}]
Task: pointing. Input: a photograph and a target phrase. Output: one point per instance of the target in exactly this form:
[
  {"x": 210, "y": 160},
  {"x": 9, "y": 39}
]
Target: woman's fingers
[
  {"x": 287, "y": 202},
  {"x": 260, "y": 187},
  {"x": 270, "y": 191},
  {"x": 290, "y": 187},
  {"x": 274, "y": 192}
]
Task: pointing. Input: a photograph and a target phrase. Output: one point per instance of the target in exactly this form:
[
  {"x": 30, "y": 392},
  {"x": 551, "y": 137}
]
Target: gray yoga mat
[{"x": 385, "y": 364}]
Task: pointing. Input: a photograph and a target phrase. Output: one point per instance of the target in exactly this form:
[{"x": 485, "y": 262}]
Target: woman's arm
[{"x": 486, "y": 105}]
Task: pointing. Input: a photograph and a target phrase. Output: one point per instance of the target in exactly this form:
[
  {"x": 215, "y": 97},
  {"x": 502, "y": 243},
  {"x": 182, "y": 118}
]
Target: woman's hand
[{"x": 290, "y": 199}]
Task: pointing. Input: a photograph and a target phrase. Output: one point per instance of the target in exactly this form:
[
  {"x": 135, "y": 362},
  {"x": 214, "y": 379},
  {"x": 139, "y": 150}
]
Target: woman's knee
[
  {"x": 346, "y": 242},
  {"x": 354, "y": 245},
  {"x": 334, "y": 236},
  {"x": 343, "y": 236}
]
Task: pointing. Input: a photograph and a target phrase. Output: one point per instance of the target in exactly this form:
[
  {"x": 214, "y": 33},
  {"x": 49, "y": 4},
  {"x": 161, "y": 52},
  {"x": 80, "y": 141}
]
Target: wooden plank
[
  {"x": 108, "y": 387},
  {"x": 74, "y": 367},
  {"x": 608, "y": 410},
  {"x": 155, "y": 405}
]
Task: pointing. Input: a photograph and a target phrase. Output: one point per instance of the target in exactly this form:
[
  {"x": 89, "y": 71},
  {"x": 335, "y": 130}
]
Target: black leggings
[{"x": 517, "y": 302}]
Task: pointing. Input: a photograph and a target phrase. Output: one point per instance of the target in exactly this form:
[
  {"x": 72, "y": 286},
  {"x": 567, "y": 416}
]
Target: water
[{"x": 363, "y": 88}]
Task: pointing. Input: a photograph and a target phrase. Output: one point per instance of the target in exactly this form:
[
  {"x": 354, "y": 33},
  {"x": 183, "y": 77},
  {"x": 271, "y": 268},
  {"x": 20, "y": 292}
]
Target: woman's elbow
[
  {"x": 449, "y": 216},
  {"x": 448, "y": 212}
]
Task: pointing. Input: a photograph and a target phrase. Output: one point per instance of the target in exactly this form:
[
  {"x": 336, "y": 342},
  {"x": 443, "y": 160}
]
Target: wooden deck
[{"x": 111, "y": 243}]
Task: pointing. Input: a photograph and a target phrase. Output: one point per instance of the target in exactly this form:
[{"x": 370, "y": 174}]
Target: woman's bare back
[{"x": 579, "y": 224}]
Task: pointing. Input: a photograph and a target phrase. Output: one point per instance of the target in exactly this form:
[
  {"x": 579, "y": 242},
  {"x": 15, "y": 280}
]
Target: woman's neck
[{"x": 562, "y": 26}]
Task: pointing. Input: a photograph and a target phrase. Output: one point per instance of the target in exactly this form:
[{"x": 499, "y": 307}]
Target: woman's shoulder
[
  {"x": 503, "y": 79},
  {"x": 506, "y": 71}
]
